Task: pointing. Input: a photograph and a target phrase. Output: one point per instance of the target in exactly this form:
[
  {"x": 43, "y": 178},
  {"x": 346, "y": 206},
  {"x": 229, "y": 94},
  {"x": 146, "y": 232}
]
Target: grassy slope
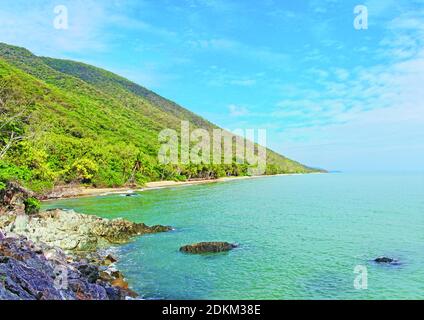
[{"x": 92, "y": 125}]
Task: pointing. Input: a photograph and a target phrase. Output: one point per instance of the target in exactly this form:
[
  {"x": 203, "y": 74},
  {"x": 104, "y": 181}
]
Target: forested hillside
[{"x": 67, "y": 122}]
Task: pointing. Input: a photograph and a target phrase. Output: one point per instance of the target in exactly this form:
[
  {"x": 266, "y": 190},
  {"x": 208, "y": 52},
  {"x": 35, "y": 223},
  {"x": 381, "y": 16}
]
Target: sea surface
[{"x": 300, "y": 237}]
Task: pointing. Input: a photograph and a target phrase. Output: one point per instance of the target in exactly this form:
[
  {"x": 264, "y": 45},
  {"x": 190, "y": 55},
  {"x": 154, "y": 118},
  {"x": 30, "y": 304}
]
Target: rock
[
  {"x": 207, "y": 247},
  {"x": 384, "y": 260},
  {"x": 106, "y": 276},
  {"x": 13, "y": 197},
  {"x": 72, "y": 231},
  {"x": 21, "y": 223},
  {"x": 89, "y": 271},
  {"x": 65, "y": 243},
  {"x": 61, "y": 192},
  {"x": 6, "y": 220},
  {"x": 31, "y": 271},
  {"x": 120, "y": 283},
  {"x": 130, "y": 194},
  {"x": 116, "y": 273},
  {"x": 110, "y": 259}
]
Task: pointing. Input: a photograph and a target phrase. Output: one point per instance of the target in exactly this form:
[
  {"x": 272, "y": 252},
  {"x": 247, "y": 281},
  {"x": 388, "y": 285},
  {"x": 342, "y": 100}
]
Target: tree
[
  {"x": 13, "y": 113},
  {"x": 84, "y": 169}
]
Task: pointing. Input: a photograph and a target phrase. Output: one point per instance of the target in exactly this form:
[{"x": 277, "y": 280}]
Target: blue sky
[{"x": 329, "y": 95}]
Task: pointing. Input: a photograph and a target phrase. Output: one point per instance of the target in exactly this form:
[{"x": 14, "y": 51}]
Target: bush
[
  {"x": 32, "y": 206},
  {"x": 12, "y": 172}
]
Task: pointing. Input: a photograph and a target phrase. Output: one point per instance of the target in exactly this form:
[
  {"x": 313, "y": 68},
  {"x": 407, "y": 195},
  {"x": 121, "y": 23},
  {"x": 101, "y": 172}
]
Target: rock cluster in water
[
  {"x": 207, "y": 247},
  {"x": 385, "y": 260}
]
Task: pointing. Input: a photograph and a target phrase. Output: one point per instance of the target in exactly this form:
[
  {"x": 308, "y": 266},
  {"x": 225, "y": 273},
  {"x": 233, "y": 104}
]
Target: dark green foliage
[
  {"x": 32, "y": 206},
  {"x": 88, "y": 126}
]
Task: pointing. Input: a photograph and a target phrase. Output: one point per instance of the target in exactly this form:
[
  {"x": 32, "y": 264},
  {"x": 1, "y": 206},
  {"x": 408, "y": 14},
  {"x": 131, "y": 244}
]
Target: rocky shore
[
  {"x": 61, "y": 254},
  {"x": 73, "y": 231},
  {"x": 36, "y": 271}
]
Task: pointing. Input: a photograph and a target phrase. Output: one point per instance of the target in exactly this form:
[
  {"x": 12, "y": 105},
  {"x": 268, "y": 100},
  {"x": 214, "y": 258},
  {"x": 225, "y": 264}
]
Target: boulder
[
  {"x": 91, "y": 272},
  {"x": 109, "y": 259},
  {"x": 120, "y": 283},
  {"x": 207, "y": 247},
  {"x": 13, "y": 198}
]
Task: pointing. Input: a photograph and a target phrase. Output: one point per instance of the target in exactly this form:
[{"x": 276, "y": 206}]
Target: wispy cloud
[
  {"x": 237, "y": 111},
  {"x": 380, "y": 107},
  {"x": 93, "y": 25},
  {"x": 260, "y": 55},
  {"x": 34, "y": 19},
  {"x": 300, "y": 69}
]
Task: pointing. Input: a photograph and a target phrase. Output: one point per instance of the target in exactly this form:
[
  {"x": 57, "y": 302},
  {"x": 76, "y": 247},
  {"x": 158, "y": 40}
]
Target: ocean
[{"x": 300, "y": 237}]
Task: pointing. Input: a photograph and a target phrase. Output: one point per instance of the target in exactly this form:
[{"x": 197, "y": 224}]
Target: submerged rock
[
  {"x": 207, "y": 247},
  {"x": 131, "y": 194},
  {"x": 384, "y": 260}
]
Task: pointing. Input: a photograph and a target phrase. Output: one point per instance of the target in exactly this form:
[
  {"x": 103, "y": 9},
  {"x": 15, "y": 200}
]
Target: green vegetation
[
  {"x": 32, "y": 206},
  {"x": 66, "y": 122}
]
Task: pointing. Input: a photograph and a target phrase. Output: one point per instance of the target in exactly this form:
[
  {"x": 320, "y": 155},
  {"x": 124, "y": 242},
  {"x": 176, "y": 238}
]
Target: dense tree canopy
[{"x": 67, "y": 122}]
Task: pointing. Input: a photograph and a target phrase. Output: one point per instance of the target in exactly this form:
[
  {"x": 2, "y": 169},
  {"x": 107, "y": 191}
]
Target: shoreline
[
  {"x": 67, "y": 192},
  {"x": 71, "y": 231},
  {"x": 80, "y": 245}
]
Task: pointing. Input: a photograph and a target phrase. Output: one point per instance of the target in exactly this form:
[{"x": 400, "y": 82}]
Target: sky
[{"x": 328, "y": 94}]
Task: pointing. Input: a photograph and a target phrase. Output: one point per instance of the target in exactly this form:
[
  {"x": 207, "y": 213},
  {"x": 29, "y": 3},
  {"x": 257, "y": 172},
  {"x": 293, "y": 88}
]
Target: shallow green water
[{"x": 300, "y": 237}]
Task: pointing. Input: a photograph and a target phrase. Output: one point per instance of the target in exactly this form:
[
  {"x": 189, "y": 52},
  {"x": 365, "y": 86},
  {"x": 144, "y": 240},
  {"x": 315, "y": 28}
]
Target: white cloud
[
  {"x": 237, "y": 111},
  {"x": 93, "y": 26},
  {"x": 32, "y": 27},
  {"x": 367, "y": 117},
  {"x": 261, "y": 55}
]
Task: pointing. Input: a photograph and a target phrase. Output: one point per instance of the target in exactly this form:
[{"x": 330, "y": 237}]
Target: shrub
[{"x": 32, "y": 206}]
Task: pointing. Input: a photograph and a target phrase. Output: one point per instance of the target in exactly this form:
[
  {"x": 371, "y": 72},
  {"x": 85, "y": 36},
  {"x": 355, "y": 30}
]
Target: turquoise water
[{"x": 300, "y": 237}]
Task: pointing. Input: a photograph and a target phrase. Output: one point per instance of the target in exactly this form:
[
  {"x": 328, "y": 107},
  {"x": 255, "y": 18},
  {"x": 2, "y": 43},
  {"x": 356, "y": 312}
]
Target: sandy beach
[{"x": 76, "y": 192}]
